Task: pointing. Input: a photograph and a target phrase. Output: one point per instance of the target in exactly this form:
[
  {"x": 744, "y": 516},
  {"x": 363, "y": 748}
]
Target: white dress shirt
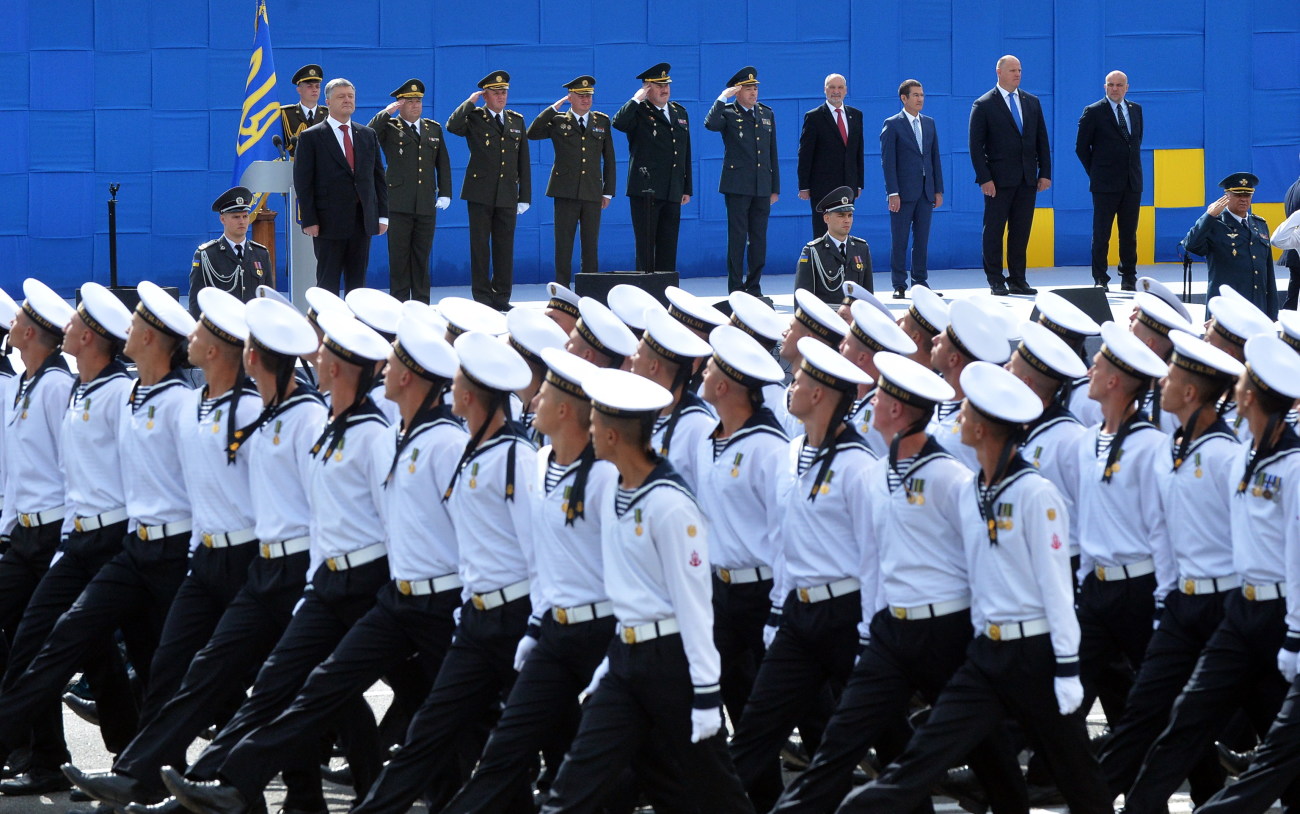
[{"x": 844, "y": 114}]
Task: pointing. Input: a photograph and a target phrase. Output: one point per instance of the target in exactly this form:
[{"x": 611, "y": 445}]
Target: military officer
[
  {"x": 751, "y": 181},
  {"x": 582, "y": 178},
  {"x": 407, "y": 139},
  {"x": 298, "y": 116},
  {"x": 1234, "y": 242},
  {"x": 825, "y": 263},
  {"x": 498, "y": 185},
  {"x": 233, "y": 263},
  {"x": 659, "y": 167}
]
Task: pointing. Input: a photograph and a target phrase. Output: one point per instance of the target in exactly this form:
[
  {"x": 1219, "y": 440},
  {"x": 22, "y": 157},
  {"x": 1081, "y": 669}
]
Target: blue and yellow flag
[{"x": 261, "y": 110}]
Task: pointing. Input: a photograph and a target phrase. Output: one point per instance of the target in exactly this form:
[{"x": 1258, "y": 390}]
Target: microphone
[{"x": 279, "y": 145}]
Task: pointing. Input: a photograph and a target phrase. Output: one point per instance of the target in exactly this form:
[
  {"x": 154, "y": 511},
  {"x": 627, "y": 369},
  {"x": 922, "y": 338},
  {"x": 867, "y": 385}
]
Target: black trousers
[
  {"x": 1273, "y": 771},
  {"x": 747, "y": 217},
  {"x": 914, "y": 217},
  {"x": 1009, "y": 212},
  {"x": 410, "y": 242},
  {"x": 217, "y": 678},
  {"x": 654, "y": 226},
  {"x": 902, "y": 658},
  {"x": 343, "y": 259},
  {"x": 394, "y": 629},
  {"x": 1115, "y": 620},
  {"x": 1106, "y": 207},
  {"x": 569, "y": 212},
  {"x": 818, "y": 219},
  {"x": 22, "y": 565},
  {"x": 1238, "y": 668},
  {"x": 542, "y": 710},
  {"x": 642, "y": 709},
  {"x": 998, "y": 679},
  {"x": 476, "y": 675},
  {"x": 739, "y": 613},
  {"x": 492, "y": 233}
]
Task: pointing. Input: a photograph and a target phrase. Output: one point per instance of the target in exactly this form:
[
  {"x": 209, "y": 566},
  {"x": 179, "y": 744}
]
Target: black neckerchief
[
  {"x": 762, "y": 420},
  {"x": 687, "y": 403},
  {"x": 113, "y": 370},
  {"x": 332, "y": 438},
  {"x": 1011, "y": 466},
  {"x": 578, "y": 493},
  {"x": 919, "y": 425},
  {"x": 1054, "y": 412},
  {"x": 243, "y": 386},
  {"x": 663, "y": 474},
  {"x": 1183, "y": 440},
  {"x": 302, "y": 393},
  {"x": 931, "y": 450},
  {"x": 846, "y": 439},
  {"x": 512, "y": 430},
  {"x": 425, "y": 419},
  {"x": 6, "y": 366},
  {"x": 1260, "y": 455},
  {"x": 54, "y": 361},
  {"x": 1133, "y": 422}
]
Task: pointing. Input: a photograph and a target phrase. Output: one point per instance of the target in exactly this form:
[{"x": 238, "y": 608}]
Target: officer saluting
[
  {"x": 232, "y": 263},
  {"x": 1234, "y": 242},
  {"x": 298, "y": 116},
  {"x": 825, "y": 263}
]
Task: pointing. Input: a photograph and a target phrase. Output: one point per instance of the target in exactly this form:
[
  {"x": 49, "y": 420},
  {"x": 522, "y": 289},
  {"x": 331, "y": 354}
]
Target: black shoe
[
  {"x": 1128, "y": 285},
  {"x": 998, "y": 290},
  {"x": 19, "y": 760},
  {"x": 80, "y": 688},
  {"x": 36, "y": 781},
  {"x": 79, "y": 796},
  {"x": 962, "y": 786},
  {"x": 204, "y": 796},
  {"x": 1233, "y": 762},
  {"x": 114, "y": 789},
  {"x": 1021, "y": 288},
  {"x": 1104, "y": 285},
  {"x": 87, "y": 711},
  {"x": 899, "y": 293},
  {"x": 168, "y": 806},
  {"x": 342, "y": 775}
]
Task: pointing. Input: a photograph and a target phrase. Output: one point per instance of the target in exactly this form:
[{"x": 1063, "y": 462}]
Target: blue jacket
[{"x": 909, "y": 172}]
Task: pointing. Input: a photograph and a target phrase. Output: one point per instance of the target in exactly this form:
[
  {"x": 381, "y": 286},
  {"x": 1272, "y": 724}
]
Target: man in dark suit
[
  {"x": 1013, "y": 163},
  {"x": 342, "y": 196},
  {"x": 412, "y": 147},
  {"x": 659, "y": 160},
  {"x": 298, "y": 116},
  {"x": 1290, "y": 257},
  {"x": 498, "y": 185},
  {"x": 830, "y": 150},
  {"x": 750, "y": 180},
  {"x": 909, "y": 155},
  {"x": 1109, "y": 145},
  {"x": 582, "y": 179},
  {"x": 233, "y": 262}
]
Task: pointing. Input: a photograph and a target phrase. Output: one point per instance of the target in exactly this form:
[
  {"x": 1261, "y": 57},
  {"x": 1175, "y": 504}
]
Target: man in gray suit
[{"x": 909, "y": 155}]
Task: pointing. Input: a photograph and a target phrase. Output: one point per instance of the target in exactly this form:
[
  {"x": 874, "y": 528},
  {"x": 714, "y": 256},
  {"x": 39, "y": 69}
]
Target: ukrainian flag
[{"x": 261, "y": 110}]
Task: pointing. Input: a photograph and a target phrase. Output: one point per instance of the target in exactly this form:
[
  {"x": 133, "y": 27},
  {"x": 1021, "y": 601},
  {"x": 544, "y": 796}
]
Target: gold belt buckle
[
  {"x": 332, "y": 564},
  {"x": 1101, "y": 573},
  {"x": 266, "y": 551},
  {"x": 1249, "y": 591},
  {"x": 1189, "y": 586},
  {"x": 143, "y": 531},
  {"x": 900, "y": 613},
  {"x": 207, "y": 539},
  {"x": 26, "y": 520},
  {"x": 803, "y": 595},
  {"x": 562, "y": 616},
  {"x": 76, "y": 524},
  {"x": 404, "y": 587},
  {"x": 995, "y": 633},
  {"x": 629, "y": 635},
  {"x": 477, "y": 599},
  {"x": 724, "y": 575}
]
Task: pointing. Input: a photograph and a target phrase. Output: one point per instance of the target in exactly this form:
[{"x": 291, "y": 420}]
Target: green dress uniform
[
  {"x": 497, "y": 179},
  {"x": 292, "y": 118},
  {"x": 412, "y": 196},
  {"x": 1237, "y": 252},
  {"x": 237, "y": 270},
  {"x": 583, "y": 174}
]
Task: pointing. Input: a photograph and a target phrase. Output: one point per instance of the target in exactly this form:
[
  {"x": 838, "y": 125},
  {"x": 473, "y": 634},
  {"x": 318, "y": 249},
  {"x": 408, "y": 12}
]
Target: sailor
[
  {"x": 529, "y": 334},
  {"x": 1154, "y": 322},
  {"x": 1232, "y": 322},
  {"x": 630, "y": 303},
  {"x": 383, "y": 312},
  {"x": 8, "y": 382},
  {"x": 600, "y": 337},
  {"x": 924, "y": 320},
  {"x": 1071, "y": 324},
  {"x": 667, "y": 355},
  {"x": 767, "y": 327},
  {"x": 562, "y": 306},
  {"x": 693, "y": 311},
  {"x": 871, "y": 332},
  {"x": 972, "y": 335},
  {"x": 814, "y": 318}
]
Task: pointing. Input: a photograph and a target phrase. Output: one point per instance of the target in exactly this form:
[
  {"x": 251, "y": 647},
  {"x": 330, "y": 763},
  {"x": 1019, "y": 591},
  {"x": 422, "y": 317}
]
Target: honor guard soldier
[
  {"x": 407, "y": 139},
  {"x": 658, "y": 168},
  {"x": 668, "y": 355},
  {"x": 1234, "y": 242},
  {"x": 814, "y": 318},
  {"x": 630, "y": 304},
  {"x": 693, "y": 311},
  {"x": 529, "y": 333},
  {"x": 233, "y": 262},
  {"x": 828, "y": 261},
  {"x": 498, "y": 185},
  {"x": 971, "y": 335},
  {"x": 871, "y": 332},
  {"x": 1154, "y": 322},
  {"x": 298, "y": 116},
  {"x": 582, "y": 178},
  {"x": 751, "y": 179},
  {"x": 1073, "y": 326},
  {"x": 924, "y": 319},
  {"x": 1024, "y": 661},
  {"x": 600, "y": 337},
  {"x": 562, "y": 306}
]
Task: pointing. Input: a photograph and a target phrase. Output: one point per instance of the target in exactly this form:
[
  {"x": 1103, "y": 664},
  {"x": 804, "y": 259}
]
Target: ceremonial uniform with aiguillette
[
  {"x": 582, "y": 177},
  {"x": 825, "y": 263},
  {"x": 1237, "y": 251},
  {"x": 497, "y": 180},
  {"x": 293, "y": 117},
  {"x": 235, "y": 268},
  {"x": 412, "y": 149}
]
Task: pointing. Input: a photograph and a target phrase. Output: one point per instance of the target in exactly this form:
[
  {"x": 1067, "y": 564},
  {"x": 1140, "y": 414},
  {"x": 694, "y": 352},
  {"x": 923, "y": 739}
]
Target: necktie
[
  {"x": 916, "y": 130},
  {"x": 1015, "y": 111},
  {"x": 239, "y": 254},
  {"x": 1123, "y": 122},
  {"x": 582, "y": 124},
  {"x": 839, "y": 122},
  {"x": 310, "y": 114},
  {"x": 347, "y": 147},
  {"x": 501, "y": 123},
  {"x": 843, "y": 255}
]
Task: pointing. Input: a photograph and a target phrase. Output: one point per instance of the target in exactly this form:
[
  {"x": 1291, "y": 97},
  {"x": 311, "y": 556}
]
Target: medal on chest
[
  {"x": 148, "y": 424},
  {"x": 915, "y": 488},
  {"x": 216, "y": 422},
  {"x": 473, "y": 476},
  {"x": 85, "y": 410},
  {"x": 636, "y": 516},
  {"x": 735, "y": 465}
]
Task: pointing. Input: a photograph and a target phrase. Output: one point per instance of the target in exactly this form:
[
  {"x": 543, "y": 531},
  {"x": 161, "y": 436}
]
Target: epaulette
[
  {"x": 209, "y": 244},
  {"x": 256, "y": 245},
  {"x": 288, "y": 105}
]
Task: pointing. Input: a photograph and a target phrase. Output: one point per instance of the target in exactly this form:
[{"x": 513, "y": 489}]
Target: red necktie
[
  {"x": 347, "y": 147},
  {"x": 844, "y": 131}
]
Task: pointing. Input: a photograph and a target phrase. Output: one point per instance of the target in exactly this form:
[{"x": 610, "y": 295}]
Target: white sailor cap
[
  {"x": 825, "y": 365},
  {"x": 465, "y": 315},
  {"x": 531, "y": 331},
  {"x": 491, "y": 364},
  {"x": 911, "y": 382},
  {"x": 566, "y": 371},
  {"x": 928, "y": 309},
  {"x": 1129, "y": 354},
  {"x": 223, "y": 315},
  {"x": 162, "y": 311},
  {"x": 692, "y": 311},
  {"x": 1157, "y": 315},
  {"x": 279, "y": 328},
  {"x": 1237, "y": 319},
  {"x": 742, "y": 358},
  {"x": 562, "y": 299},
  {"x": 44, "y": 307},
  {"x": 622, "y": 394},
  {"x": 423, "y": 311},
  {"x": 605, "y": 332},
  {"x": 1287, "y": 320},
  {"x": 378, "y": 309},
  {"x": 103, "y": 312},
  {"x": 1272, "y": 366},
  {"x": 672, "y": 340},
  {"x": 877, "y": 331},
  {"x": 756, "y": 318},
  {"x": 998, "y": 394},
  {"x": 1064, "y": 318},
  {"x": 264, "y": 291},
  {"x": 321, "y": 300},
  {"x": 350, "y": 339},
  {"x": 1047, "y": 352},
  {"x": 630, "y": 302},
  {"x": 421, "y": 347},
  {"x": 977, "y": 333},
  {"x": 1001, "y": 312},
  {"x": 8, "y": 310},
  {"x": 1198, "y": 356},
  {"x": 854, "y": 292},
  {"x": 818, "y": 318},
  {"x": 1154, "y": 286}
]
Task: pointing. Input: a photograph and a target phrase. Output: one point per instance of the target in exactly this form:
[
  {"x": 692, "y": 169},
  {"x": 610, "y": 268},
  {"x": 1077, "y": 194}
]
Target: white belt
[
  {"x": 583, "y": 613},
  {"x": 820, "y": 593},
  {"x": 361, "y": 556},
  {"x": 1112, "y": 573},
  {"x": 226, "y": 539},
  {"x": 35, "y": 519},
  {"x": 740, "y": 576},
  {"x": 646, "y": 632},
  {"x": 425, "y": 587},
  {"x": 294, "y": 545},
  {"x": 165, "y": 530},
  {"x": 98, "y": 521},
  {"x": 1263, "y": 593},
  {"x": 930, "y": 611},
  {"x": 497, "y": 598},
  {"x": 1193, "y": 586},
  {"x": 1009, "y": 631}
]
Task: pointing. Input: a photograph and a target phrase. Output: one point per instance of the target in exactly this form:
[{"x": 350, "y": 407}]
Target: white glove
[
  {"x": 1069, "y": 693},
  {"x": 526, "y": 645},
  {"x": 442, "y": 203},
  {"x": 601, "y": 669},
  {"x": 705, "y": 723},
  {"x": 521, "y": 208},
  {"x": 455, "y": 616},
  {"x": 1286, "y": 663},
  {"x": 769, "y": 635}
]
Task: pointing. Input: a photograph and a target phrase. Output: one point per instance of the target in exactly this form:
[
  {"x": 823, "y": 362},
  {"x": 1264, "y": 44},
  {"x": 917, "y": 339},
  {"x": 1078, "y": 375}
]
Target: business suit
[
  {"x": 1113, "y": 161},
  {"x": 346, "y": 203},
  {"x": 825, "y": 160},
  {"x": 750, "y": 177},
  {"x": 659, "y": 159},
  {"x": 913, "y": 173},
  {"x": 1290, "y": 257},
  {"x": 1014, "y": 159}
]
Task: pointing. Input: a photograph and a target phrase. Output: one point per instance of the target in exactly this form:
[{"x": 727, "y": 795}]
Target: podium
[{"x": 277, "y": 176}]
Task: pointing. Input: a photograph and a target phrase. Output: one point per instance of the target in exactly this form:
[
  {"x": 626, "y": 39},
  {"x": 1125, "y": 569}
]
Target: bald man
[
  {"x": 1109, "y": 145},
  {"x": 830, "y": 149}
]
